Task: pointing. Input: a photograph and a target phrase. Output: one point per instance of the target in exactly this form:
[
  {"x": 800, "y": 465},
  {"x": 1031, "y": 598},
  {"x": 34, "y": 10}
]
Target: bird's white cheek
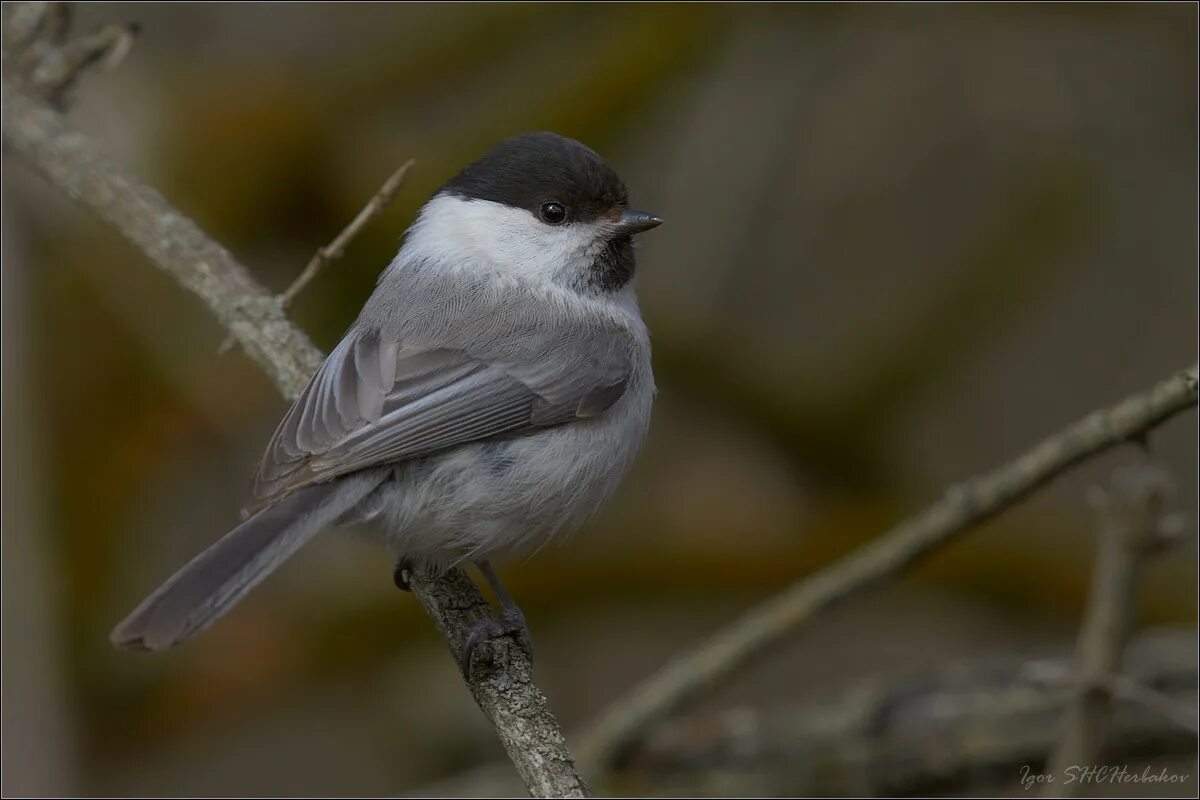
[
  {"x": 533, "y": 249},
  {"x": 465, "y": 232}
]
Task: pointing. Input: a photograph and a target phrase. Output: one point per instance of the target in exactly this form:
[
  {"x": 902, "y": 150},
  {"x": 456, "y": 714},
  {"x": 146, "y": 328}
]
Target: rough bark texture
[{"x": 504, "y": 689}]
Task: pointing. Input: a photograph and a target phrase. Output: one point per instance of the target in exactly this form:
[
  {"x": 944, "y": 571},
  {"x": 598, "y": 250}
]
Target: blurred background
[{"x": 902, "y": 244}]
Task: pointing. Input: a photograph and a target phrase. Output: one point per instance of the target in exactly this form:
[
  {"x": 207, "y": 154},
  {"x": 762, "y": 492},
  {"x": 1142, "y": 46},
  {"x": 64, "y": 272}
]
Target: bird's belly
[{"x": 510, "y": 495}]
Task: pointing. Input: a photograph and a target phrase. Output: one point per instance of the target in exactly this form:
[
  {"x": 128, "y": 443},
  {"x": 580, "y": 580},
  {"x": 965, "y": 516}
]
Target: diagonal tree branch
[
  {"x": 75, "y": 164},
  {"x": 374, "y": 207},
  {"x": 696, "y": 672}
]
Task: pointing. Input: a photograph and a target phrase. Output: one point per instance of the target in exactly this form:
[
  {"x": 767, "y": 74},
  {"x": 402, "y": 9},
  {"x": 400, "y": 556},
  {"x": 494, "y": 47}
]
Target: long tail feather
[{"x": 210, "y": 584}]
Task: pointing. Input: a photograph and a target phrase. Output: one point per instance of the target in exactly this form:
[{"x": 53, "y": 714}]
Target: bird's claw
[{"x": 511, "y": 622}]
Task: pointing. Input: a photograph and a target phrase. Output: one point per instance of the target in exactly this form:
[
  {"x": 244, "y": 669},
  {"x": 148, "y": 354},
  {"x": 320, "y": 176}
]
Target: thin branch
[
  {"x": 337, "y": 247},
  {"x": 60, "y": 67},
  {"x": 1130, "y": 529},
  {"x": 1122, "y": 687},
  {"x": 43, "y": 62},
  {"x": 1125, "y": 688},
  {"x": 334, "y": 249},
  {"x": 25, "y": 23},
  {"x": 73, "y": 163},
  {"x": 694, "y": 673}
]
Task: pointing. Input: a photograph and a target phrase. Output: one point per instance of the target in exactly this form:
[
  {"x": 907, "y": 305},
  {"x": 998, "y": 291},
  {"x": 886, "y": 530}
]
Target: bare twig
[
  {"x": 25, "y": 23},
  {"x": 963, "y": 506},
  {"x": 72, "y": 162},
  {"x": 334, "y": 249},
  {"x": 39, "y": 58},
  {"x": 60, "y": 67},
  {"x": 1176, "y": 713},
  {"x": 1130, "y": 528},
  {"x": 1119, "y": 686}
]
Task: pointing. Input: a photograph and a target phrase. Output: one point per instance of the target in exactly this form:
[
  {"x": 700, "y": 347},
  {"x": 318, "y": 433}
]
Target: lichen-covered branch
[
  {"x": 72, "y": 162},
  {"x": 697, "y": 672}
]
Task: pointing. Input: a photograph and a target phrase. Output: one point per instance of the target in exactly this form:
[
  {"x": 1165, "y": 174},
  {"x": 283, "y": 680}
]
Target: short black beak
[{"x": 633, "y": 221}]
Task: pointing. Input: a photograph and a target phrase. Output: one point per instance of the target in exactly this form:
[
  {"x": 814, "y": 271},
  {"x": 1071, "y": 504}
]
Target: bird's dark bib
[{"x": 613, "y": 267}]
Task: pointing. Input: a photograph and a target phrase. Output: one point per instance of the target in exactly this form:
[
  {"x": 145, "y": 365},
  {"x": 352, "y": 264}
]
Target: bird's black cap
[{"x": 533, "y": 169}]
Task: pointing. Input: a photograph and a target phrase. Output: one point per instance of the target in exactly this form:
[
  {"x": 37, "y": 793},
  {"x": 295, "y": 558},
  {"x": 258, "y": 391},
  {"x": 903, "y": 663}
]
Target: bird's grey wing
[{"x": 376, "y": 402}]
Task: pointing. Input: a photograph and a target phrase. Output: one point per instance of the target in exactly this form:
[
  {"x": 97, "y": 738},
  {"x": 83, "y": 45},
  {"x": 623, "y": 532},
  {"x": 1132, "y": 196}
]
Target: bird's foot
[{"x": 511, "y": 622}]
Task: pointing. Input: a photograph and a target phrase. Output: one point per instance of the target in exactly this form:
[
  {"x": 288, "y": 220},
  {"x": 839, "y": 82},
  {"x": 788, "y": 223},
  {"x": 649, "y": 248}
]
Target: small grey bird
[{"x": 491, "y": 393}]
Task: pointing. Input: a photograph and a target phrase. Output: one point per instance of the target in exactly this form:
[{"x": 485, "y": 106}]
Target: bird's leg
[
  {"x": 510, "y": 613},
  {"x": 511, "y": 621}
]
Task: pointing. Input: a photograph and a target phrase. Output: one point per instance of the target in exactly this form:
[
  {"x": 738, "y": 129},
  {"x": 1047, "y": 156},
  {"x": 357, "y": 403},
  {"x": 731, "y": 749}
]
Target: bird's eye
[{"x": 552, "y": 213}]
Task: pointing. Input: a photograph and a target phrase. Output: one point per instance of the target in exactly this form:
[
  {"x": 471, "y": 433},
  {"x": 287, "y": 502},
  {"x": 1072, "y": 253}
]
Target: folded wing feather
[{"x": 376, "y": 402}]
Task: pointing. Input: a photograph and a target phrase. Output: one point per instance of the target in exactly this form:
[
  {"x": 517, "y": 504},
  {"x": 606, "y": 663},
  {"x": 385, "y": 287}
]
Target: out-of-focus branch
[
  {"x": 57, "y": 73},
  {"x": 1132, "y": 525},
  {"x": 30, "y": 26},
  {"x": 46, "y": 65},
  {"x": 24, "y": 23},
  {"x": 696, "y": 672},
  {"x": 1124, "y": 688},
  {"x": 948, "y": 731},
  {"x": 945, "y": 731},
  {"x": 73, "y": 163}
]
